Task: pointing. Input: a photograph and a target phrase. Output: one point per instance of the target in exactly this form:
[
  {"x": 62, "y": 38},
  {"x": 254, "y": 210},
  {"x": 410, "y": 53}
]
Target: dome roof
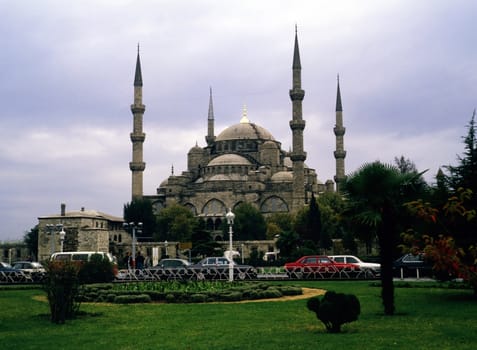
[
  {"x": 282, "y": 176},
  {"x": 229, "y": 159},
  {"x": 245, "y": 130},
  {"x": 196, "y": 149}
]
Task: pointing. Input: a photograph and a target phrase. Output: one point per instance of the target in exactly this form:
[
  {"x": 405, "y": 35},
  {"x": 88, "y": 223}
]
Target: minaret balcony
[
  {"x": 339, "y": 130},
  {"x": 297, "y": 94},
  {"x": 298, "y": 156},
  {"x": 137, "y": 166},
  {"x": 138, "y": 137},
  {"x": 136, "y": 108},
  {"x": 297, "y": 124},
  {"x": 339, "y": 154}
]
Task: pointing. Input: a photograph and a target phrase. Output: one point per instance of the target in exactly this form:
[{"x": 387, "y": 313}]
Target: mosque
[{"x": 243, "y": 163}]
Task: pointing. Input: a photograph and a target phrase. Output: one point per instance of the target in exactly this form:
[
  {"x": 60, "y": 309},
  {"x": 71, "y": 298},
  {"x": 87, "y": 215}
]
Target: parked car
[
  {"x": 319, "y": 266},
  {"x": 218, "y": 268},
  {"x": 373, "y": 268},
  {"x": 10, "y": 275},
  {"x": 168, "y": 269},
  {"x": 31, "y": 268},
  {"x": 412, "y": 265}
]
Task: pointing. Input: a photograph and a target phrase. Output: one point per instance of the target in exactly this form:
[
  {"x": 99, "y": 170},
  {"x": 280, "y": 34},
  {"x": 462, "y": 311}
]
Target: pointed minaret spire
[
  {"x": 138, "y": 75},
  {"x": 297, "y": 125},
  {"x": 137, "y": 165},
  {"x": 339, "y": 131},
  {"x": 296, "y": 52},
  {"x": 210, "y": 138},
  {"x": 339, "y": 107}
]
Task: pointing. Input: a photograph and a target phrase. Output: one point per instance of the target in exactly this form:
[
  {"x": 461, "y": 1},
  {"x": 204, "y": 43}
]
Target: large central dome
[{"x": 243, "y": 131}]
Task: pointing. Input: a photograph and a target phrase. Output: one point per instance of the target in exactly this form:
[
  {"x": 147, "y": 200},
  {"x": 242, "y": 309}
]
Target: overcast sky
[{"x": 407, "y": 70}]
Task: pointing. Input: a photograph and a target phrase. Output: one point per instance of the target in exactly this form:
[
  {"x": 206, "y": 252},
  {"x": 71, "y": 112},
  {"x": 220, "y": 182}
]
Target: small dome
[
  {"x": 229, "y": 159},
  {"x": 196, "y": 149},
  {"x": 164, "y": 183},
  {"x": 282, "y": 176},
  {"x": 248, "y": 131}
]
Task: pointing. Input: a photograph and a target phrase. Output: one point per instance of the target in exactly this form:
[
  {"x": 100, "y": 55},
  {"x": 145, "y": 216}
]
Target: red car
[{"x": 320, "y": 266}]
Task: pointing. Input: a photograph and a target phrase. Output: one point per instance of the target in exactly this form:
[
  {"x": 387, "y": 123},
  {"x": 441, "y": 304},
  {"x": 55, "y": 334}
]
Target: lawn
[{"x": 426, "y": 318}]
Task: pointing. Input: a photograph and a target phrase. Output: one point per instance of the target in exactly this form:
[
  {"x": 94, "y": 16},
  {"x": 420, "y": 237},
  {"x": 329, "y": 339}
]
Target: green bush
[
  {"x": 62, "y": 286},
  {"x": 99, "y": 269},
  {"x": 335, "y": 309}
]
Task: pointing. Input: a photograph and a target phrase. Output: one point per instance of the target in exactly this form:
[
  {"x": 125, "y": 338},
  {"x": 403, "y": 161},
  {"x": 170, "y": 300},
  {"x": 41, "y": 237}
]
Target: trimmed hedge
[{"x": 173, "y": 292}]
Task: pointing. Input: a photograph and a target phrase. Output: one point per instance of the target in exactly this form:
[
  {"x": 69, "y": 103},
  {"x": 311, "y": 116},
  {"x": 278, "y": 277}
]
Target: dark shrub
[
  {"x": 335, "y": 309},
  {"x": 62, "y": 286},
  {"x": 99, "y": 269}
]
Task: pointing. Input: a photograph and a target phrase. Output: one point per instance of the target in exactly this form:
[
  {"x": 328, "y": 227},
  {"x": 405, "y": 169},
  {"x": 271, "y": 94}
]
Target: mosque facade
[{"x": 242, "y": 164}]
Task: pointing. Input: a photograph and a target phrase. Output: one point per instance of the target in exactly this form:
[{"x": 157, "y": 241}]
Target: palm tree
[{"x": 375, "y": 194}]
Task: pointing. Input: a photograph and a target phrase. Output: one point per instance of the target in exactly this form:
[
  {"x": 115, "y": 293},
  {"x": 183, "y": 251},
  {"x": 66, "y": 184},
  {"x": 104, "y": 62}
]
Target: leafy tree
[
  {"x": 249, "y": 223},
  {"x": 288, "y": 244},
  {"x": 405, "y": 165},
  {"x": 376, "y": 193},
  {"x": 278, "y": 223},
  {"x": 31, "y": 240},
  {"x": 202, "y": 242},
  {"x": 313, "y": 222},
  {"x": 175, "y": 223},
  {"x": 140, "y": 210},
  {"x": 450, "y": 258}
]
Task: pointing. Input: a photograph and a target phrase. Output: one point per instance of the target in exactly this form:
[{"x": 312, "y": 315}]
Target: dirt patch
[{"x": 307, "y": 293}]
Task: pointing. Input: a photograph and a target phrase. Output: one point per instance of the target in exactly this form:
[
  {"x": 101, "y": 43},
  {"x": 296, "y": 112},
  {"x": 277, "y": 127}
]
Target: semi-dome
[
  {"x": 229, "y": 159},
  {"x": 282, "y": 176},
  {"x": 245, "y": 131}
]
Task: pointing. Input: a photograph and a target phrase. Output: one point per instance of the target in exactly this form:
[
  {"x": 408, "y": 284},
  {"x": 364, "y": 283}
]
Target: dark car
[
  {"x": 33, "y": 269},
  {"x": 169, "y": 269},
  {"x": 320, "y": 266},
  {"x": 10, "y": 275},
  {"x": 218, "y": 268},
  {"x": 412, "y": 265}
]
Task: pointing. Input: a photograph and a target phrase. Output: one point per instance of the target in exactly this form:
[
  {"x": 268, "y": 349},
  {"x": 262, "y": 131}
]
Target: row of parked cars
[{"x": 21, "y": 271}]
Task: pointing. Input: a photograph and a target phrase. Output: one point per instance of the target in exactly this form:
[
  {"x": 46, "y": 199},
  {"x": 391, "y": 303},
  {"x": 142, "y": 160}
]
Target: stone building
[
  {"x": 84, "y": 230},
  {"x": 243, "y": 163}
]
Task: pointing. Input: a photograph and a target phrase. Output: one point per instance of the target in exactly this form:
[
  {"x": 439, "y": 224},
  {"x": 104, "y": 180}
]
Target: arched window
[
  {"x": 274, "y": 204},
  {"x": 214, "y": 207}
]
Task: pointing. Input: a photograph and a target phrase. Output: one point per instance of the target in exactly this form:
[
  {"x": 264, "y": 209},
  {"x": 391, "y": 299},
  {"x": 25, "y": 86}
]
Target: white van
[{"x": 79, "y": 256}]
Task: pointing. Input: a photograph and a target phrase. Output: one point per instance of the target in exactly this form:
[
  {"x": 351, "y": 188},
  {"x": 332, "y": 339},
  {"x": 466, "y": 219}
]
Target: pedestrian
[{"x": 139, "y": 261}]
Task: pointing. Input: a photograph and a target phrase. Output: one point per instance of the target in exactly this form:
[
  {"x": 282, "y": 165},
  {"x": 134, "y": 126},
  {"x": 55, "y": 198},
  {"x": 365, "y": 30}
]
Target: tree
[
  {"x": 376, "y": 193},
  {"x": 202, "y": 242},
  {"x": 175, "y": 223},
  {"x": 31, "y": 240},
  {"x": 450, "y": 258},
  {"x": 140, "y": 210},
  {"x": 277, "y": 223},
  {"x": 405, "y": 165},
  {"x": 313, "y": 224},
  {"x": 249, "y": 223}
]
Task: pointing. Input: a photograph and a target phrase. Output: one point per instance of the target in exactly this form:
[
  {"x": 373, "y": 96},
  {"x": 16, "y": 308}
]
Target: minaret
[
  {"x": 297, "y": 125},
  {"x": 340, "y": 153},
  {"x": 210, "y": 138},
  {"x": 137, "y": 165}
]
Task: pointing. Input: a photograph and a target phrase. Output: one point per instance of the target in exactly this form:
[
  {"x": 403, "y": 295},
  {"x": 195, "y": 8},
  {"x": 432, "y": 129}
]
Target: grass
[{"x": 426, "y": 318}]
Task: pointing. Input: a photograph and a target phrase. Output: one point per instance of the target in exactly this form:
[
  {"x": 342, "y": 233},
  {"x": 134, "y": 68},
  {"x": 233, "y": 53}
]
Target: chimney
[{"x": 63, "y": 209}]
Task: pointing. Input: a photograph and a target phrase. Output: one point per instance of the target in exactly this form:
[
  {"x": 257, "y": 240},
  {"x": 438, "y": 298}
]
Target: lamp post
[
  {"x": 230, "y": 221},
  {"x": 134, "y": 228},
  {"x": 62, "y": 238},
  {"x": 165, "y": 248},
  {"x": 51, "y": 229}
]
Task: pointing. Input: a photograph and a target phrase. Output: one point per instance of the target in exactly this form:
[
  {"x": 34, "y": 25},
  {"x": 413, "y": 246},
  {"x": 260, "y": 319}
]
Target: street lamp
[
  {"x": 230, "y": 221},
  {"x": 134, "y": 227},
  {"x": 165, "y": 248},
  {"x": 62, "y": 238},
  {"x": 51, "y": 229}
]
